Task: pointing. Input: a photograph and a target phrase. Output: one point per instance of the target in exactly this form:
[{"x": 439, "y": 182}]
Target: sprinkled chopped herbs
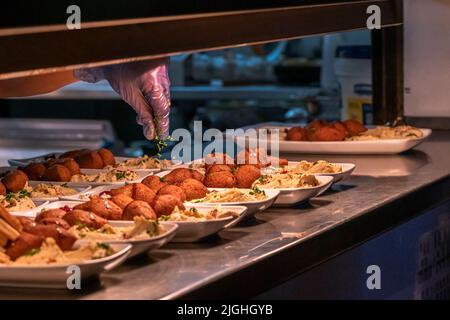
[
  {"x": 104, "y": 246},
  {"x": 24, "y": 194},
  {"x": 162, "y": 179},
  {"x": 80, "y": 225},
  {"x": 161, "y": 145},
  {"x": 164, "y": 218},
  {"x": 64, "y": 185},
  {"x": 32, "y": 252},
  {"x": 255, "y": 191},
  {"x": 9, "y": 196},
  {"x": 121, "y": 175}
]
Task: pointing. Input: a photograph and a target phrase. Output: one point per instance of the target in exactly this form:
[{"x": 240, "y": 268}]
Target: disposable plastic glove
[{"x": 144, "y": 85}]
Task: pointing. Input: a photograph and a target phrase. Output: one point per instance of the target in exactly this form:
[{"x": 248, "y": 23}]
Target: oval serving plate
[
  {"x": 55, "y": 276},
  {"x": 81, "y": 190},
  {"x": 143, "y": 245},
  {"x": 347, "y": 170},
  {"x": 381, "y": 146},
  {"x": 292, "y": 196},
  {"x": 175, "y": 164},
  {"x": 253, "y": 207}
]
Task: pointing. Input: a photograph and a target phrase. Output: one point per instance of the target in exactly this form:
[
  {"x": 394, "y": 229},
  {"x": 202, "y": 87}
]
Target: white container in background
[{"x": 353, "y": 68}]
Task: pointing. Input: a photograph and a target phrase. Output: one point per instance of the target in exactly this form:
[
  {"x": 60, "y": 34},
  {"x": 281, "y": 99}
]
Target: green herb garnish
[
  {"x": 256, "y": 191},
  {"x": 24, "y": 194},
  {"x": 164, "y": 218},
  {"x": 104, "y": 246},
  {"x": 120, "y": 175},
  {"x": 32, "y": 252},
  {"x": 80, "y": 225},
  {"x": 161, "y": 145},
  {"x": 9, "y": 196},
  {"x": 64, "y": 185}
]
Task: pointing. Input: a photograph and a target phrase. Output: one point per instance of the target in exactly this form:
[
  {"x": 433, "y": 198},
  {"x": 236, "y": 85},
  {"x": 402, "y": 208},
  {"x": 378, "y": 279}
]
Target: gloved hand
[{"x": 144, "y": 85}]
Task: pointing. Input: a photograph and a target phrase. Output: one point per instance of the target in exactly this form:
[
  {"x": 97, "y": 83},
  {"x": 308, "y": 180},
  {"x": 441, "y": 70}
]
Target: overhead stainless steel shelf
[
  {"x": 102, "y": 90},
  {"x": 28, "y": 50}
]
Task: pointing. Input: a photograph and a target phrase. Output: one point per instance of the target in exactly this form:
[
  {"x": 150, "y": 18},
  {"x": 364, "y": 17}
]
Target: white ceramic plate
[
  {"x": 292, "y": 196},
  {"x": 144, "y": 245},
  {"x": 31, "y": 212},
  {"x": 26, "y": 161},
  {"x": 139, "y": 246},
  {"x": 187, "y": 231},
  {"x": 46, "y": 206},
  {"x": 141, "y": 175},
  {"x": 347, "y": 169},
  {"x": 85, "y": 196},
  {"x": 81, "y": 190},
  {"x": 387, "y": 146},
  {"x": 176, "y": 164},
  {"x": 253, "y": 207},
  {"x": 55, "y": 276},
  {"x": 193, "y": 231}
]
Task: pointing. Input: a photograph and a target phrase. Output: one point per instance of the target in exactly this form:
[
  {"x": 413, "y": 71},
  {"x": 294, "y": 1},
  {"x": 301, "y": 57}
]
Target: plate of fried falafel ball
[{"x": 339, "y": 137}]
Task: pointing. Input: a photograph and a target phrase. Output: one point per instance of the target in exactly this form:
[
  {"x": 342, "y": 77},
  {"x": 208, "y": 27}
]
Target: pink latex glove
[{"x": 144, "y": 85}]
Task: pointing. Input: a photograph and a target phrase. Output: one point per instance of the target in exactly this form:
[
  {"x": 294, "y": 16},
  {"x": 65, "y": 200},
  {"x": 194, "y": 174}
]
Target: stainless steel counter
[{"x": 384, "y": 192}]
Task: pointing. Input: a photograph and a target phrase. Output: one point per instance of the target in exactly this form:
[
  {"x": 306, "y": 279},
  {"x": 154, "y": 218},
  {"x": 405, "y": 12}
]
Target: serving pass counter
[
  {"x": 391, "y": 214},
  {"x": 321, "y": 249}
]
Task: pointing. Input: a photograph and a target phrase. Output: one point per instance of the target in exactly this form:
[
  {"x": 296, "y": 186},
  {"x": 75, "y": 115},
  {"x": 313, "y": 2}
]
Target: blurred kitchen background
[{"x": 325, "y": 77}]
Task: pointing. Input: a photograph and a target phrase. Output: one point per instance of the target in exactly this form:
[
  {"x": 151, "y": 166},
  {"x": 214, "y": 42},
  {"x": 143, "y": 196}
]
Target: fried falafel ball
[
  {"x": 50, "y": 214},
  {"x": 122, "y": 200},
  {"x": 219, "y": 158},
  {"x": 90, "y": 160},
  {"x": 107, "y": 157},
  {"x": 354, "y": 127},
  {"x": 165, "y": 204},
  {"x": 311, "y": 129},
  {"x": 26, "y": 222},
  {"x": 143, "y": 193},
  {"x": 34, "y": 170},
  {"x": 23, "y": 244},
  {"x": 126, "y": 190},
  {"x": 62, "y": 237},
  {"x": 245, "y": 176},
  {"x": 220, "y": 180},
  {"x": 258, "y": 157},
  {"x": 138, "y": 208},
  {"x": 154, "y": 182},
  {"x": 59, "y": 222},
  {"x": 57, "y": 173},
  {"x": 297, "y": 134},
  {"x": 173, "y": 190},
  {"x": 177, "y": 175},
  {"x": 193, "y": 189},
  {"x": 86, "y": 218},
  {"x": 72, "y": 153},
  {"x": 2, "y": 189},
  {"x": 50, "y": 162},
  {"x": 217, "y": 168},
  {"x": 102, "y": 207},
  {"x": 197, "y": 175},
  {"x": 326, "y": 133},
  {"x": 70, "y": 164},
  {"x": 341, "y": 127},
  {"x": 15, "y": 180}
]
